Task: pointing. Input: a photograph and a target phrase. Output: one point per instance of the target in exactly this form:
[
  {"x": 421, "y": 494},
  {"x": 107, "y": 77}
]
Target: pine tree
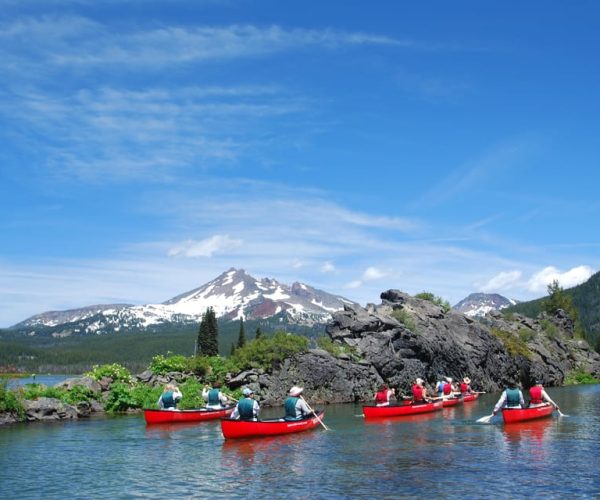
[
  {"x": 258, "y": 333},
  {"x": 242, "y": 336},
  {"x": 232, "y": 351},
  {"x": 207, "y": 343}
]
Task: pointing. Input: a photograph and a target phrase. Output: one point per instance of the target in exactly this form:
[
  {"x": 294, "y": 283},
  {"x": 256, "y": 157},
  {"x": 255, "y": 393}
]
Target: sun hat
[
  {"x": 247, "y": 391},
  {"x": 295, "y": 391},
  {"x": 419, "y": 381},
  {"x": 448, "y": 379},
  {"x": 467, "y": 380}
]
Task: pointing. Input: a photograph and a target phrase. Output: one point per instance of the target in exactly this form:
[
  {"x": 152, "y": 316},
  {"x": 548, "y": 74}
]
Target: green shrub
[
  {"x": 145, "y": 396},
  {"x": 9, "y": 401},
  {"x": 444, "y": 304},
  {"x": 337, "y": 350},
  {"x": 526, "y": 334},
  {"x": 192, "y": 394},
  {"x": 263, "y": 352},
  {"x": 78, "y": 394},
  {"x": 513, "y": 343},
  {"x": 171, "y": 363},
  {"x": 580, "y": 376},
  {"x": 34, "y": 391},
  {"x": 550, "y": 329},
  {"x": 115, "y": 371},
  {"x": 121, "y": 398},
  {"x": 405, "y": 318}
]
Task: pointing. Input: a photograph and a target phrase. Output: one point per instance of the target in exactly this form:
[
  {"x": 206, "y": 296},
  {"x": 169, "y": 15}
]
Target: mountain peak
[{"x": 479, "y": 304}]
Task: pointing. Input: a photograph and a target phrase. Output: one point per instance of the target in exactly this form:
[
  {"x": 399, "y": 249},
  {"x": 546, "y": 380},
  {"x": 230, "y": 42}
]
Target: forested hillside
[
  {"x": 76, "y": 354},
  {"x": 586, "y": 300}
]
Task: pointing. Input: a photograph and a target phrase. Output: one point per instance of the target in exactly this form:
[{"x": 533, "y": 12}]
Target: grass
[
  {"x": 405, "y": 318},
  {"x": 514, "y": 344}
]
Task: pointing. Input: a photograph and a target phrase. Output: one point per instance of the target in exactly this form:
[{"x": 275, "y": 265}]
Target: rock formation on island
[{"x": 406, "y": 337}]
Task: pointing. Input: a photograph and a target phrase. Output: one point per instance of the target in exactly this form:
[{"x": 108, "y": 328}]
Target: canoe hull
[
  {"x": 173, "y": 416},
  {"x": 512, "y": 415},
  {"x": 451, "y": 402},
  {"x": 467, "y": 398},
  {"x": 400, "y": 410},
  {"x": 236, "y": 429}
]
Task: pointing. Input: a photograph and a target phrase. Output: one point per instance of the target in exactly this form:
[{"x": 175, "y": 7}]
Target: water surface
[{"x": 440, "y": 455}]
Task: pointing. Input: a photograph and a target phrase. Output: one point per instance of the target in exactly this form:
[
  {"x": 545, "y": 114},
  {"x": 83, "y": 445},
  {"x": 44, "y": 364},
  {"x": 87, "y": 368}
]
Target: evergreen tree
[
  {"x": 207, "y": 344},
  {"x": 557, "y": 299},
  {"x": 242, "y": 336},
  {"x": 232, "y": 351},
  {"x": 258, "y": 333}
]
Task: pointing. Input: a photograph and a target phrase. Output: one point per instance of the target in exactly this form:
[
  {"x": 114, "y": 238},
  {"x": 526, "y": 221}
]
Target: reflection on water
[{"x": 441, "y": 454}]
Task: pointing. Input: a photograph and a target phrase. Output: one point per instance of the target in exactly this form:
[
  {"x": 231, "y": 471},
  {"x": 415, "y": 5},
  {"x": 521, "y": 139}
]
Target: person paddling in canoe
[
  {"x": 512, "y": 397},
  {"x": 215, "y": 399},
  {"x": 419, "y": 392},
  {"x": 295, "y": 406},
  {"x": 247, "y": 407},
  {"x": 382, "y": 398},
  {"x": 465, "y": 386},
  {"x": 169, "y": 398},
  {"x": 538, "y": 396}
]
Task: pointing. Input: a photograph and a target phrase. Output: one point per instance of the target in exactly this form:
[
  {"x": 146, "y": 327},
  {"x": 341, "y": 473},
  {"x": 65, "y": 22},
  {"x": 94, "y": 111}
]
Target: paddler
[
  {"x": 247, "y": 407},
  {"x": 295, "y": 406},
  {"x": 382, "y": 398},
  {"x": 170, "y": 397},
  {"x": 512, "y": 397},
  {"x": 419, "y": 392},
  {"x": 214, "y": 398},
  {"x": 538, "y": 396},
  {"x": 465, "y": 386}
]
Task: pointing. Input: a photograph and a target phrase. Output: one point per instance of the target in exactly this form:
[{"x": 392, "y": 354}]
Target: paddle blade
[
  {"x": 485, "y": 420},
  {"x": 561, "y": 414}
]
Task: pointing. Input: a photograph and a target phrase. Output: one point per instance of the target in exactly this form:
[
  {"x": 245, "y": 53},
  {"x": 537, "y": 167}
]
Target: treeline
[
  {"x": 584, "y": 299},
  {"x": 135, "y": 350}
]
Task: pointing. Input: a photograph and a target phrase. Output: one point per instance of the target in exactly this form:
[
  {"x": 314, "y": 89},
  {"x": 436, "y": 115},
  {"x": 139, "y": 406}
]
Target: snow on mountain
[
  {"x": 479, "y": 304},
  {"x": 233, "y": 295}
]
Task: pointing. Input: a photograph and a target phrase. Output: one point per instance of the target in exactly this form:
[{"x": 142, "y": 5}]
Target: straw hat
[
  {"x": 467, "y": 380},
  {"x": 247, "y": 391},
  {"x": 448, "y": 379},
  {"x": 419, "y": 381},
  {"x": 295, "y": 391}
]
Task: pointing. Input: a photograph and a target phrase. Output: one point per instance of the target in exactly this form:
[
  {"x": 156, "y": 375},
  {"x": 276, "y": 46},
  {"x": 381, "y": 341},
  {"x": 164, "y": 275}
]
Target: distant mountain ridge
[
  {"x": 479, "y": 304},
  {"x": 233, "y": 295}
]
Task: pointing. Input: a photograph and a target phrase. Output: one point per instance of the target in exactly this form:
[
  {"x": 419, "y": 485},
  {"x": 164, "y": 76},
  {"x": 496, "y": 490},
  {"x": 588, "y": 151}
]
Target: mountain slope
[
  {"x": 233, "y": 295},
  {"x": 586, "y": 299},
  {"x": 479, "y": 304}
]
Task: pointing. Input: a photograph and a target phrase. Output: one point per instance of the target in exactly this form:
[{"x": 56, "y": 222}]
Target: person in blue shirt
[
  {"x": 247, "y": 407},
  {"x": 295, "y": 407}
]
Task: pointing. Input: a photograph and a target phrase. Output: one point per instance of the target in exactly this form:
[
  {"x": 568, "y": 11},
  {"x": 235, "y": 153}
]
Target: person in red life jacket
[
  {"x": 214, "y": 398},
  {"x": 382, "y": 398},
  {"x": 170, "y": 397},
  {"x": 465, "y": 386},
  {"x": 419, "y": 392},
  {"x": 512, "y": 397},
  {"x": 247, "y": 407},
  {"x": 538, "y": 396},
  {"x": 447, "y": 388},
  {"x": 295, "y": 406}
]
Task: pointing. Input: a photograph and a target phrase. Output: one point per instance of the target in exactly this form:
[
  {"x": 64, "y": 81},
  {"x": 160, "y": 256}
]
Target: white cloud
[
  {"x": 503, "y": 280},
  {"x": 327, "y": 267},
  {"x": 372, "y": 273},
  {"x": 205, "y": 248},
  {"x": 540, "y": 281},
  {"x": 353, "y": 284}
]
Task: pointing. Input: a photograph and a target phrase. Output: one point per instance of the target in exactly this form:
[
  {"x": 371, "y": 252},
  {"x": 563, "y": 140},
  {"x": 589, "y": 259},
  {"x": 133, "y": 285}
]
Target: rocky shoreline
[{"x": 395, "y": 342}]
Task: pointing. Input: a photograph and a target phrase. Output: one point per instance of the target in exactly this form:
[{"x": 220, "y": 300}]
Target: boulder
[
  {"x": 48, "y": 409},
  {"x": 84, "y": 381}
]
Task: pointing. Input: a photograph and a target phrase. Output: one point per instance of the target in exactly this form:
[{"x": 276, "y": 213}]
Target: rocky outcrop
[
  {"x": 87, "y": 382},
  {"x": 48, "y": 409},
  {"x": 405, "y": 337}
]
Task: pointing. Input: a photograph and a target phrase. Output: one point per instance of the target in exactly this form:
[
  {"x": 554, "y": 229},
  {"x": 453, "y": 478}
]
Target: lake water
[
  {"x": 48, "y": 380},
  {"x": 440, "y": 455}
]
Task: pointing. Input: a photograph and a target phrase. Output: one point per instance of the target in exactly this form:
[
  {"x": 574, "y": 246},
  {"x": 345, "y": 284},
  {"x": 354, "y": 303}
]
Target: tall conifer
[{"x": 242, "y": 336}]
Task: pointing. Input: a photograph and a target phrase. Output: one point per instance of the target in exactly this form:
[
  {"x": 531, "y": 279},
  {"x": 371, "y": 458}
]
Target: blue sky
[{"x": 148, "y": 146}]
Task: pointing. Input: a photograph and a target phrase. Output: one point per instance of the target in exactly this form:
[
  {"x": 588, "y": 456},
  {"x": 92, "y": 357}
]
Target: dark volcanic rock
[{"x": 48, "y": 409}]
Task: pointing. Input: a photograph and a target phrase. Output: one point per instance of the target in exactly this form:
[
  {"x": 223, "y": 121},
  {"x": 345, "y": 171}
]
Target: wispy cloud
[
  {"x": 566, "y": 279},
  {"x": 205, "y": 248},
  {"x": 503, "y": 280}
]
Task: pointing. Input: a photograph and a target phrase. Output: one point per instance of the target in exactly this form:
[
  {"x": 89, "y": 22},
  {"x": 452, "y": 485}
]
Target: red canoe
[
  {"x": 399, "y": 410},
  {"x": 511, "y": 415},
  {"x": 234, "y": 429},
  {"x": 195, "y": 415},
  {"x": 452, "y": 402},
  {"x": 470, "y": 397}
]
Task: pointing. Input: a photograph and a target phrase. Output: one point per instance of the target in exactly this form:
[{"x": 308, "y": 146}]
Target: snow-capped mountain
[
  {"x": 479, "y": 304},
  {"x": 233, "y": 295}
]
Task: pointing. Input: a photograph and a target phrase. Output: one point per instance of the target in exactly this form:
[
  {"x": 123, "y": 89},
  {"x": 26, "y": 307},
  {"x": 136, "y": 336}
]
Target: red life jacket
[
  {"x": 536, "y": 395},
  {"x": 464, "y": 387},
  {"x": 417, "y": 392},
  {"x": 447, "y": 388},
  {"x": 381, "y": 397}
]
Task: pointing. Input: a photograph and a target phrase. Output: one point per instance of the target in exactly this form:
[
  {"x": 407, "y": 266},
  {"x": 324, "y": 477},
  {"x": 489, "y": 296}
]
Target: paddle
[
  {"x": 485, "y": 420},
  {"x": 315, "y": 414},
  {"x": 560, "y": 413}
]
